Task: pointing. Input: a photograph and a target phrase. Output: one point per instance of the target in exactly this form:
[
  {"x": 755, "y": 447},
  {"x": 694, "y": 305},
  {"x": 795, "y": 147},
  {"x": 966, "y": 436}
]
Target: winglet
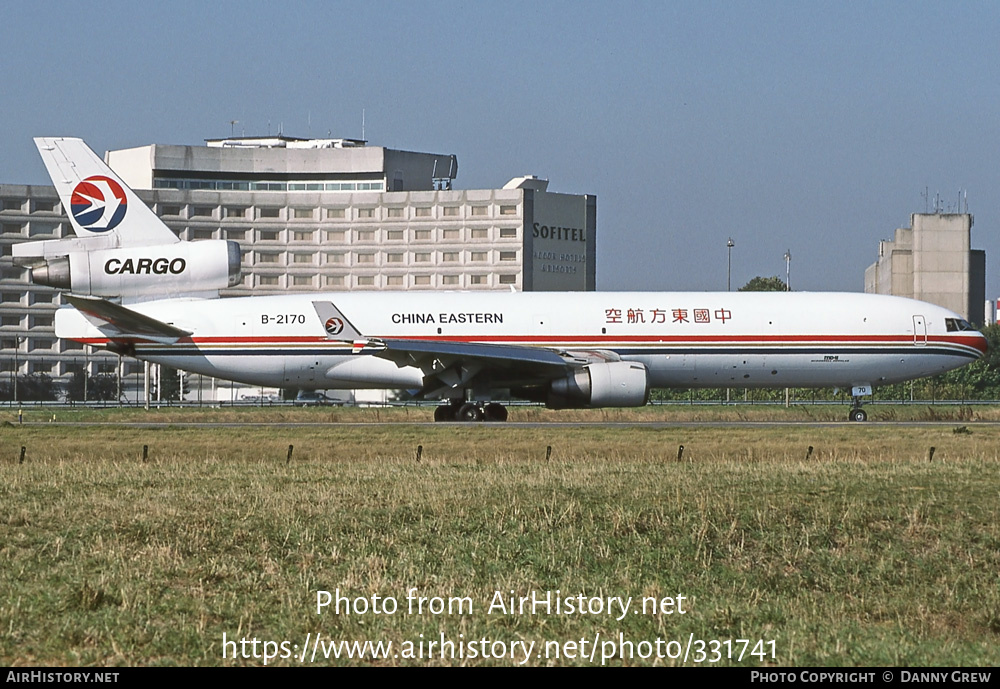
[{"x": 335, "y": 324}]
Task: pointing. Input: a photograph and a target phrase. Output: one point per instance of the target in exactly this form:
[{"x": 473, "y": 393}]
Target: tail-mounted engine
[{"x": 164, "y": 270}]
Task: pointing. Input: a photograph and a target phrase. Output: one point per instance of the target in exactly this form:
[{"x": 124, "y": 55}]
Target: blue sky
[{"x": 810, "y": 127}]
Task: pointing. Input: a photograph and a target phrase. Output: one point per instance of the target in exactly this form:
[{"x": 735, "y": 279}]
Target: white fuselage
[{"x": 685, "y": 339}]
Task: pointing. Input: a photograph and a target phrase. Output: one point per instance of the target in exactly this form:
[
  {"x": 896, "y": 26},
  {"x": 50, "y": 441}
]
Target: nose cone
[{"x": 981, "y": 344}]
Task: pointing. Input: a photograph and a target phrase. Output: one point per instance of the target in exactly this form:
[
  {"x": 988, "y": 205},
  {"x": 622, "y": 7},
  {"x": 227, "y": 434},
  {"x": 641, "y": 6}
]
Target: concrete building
[
  {"x": 932, "y": 261},
  {"x": 310, "y": 215}
]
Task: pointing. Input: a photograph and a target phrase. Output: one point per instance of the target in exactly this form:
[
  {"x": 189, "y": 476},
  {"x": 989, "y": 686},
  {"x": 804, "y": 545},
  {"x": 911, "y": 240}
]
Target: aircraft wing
[
  {"x": 448, "y": 365},
  {"x": 121, "y": 323}
]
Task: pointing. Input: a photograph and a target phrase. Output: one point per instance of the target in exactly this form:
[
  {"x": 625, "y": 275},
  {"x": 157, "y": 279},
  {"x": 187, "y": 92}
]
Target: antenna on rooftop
[
  {"x": 232, "y": 127},
  {"x": 362, "y": 124}
]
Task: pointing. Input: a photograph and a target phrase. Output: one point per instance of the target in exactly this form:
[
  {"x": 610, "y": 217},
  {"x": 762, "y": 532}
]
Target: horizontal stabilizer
[{"x": 119, "y": 322}]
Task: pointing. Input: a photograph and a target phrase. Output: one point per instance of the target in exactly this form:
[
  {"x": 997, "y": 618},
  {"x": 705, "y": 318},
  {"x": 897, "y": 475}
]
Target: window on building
[
  {"x": 449, "y": 280},
  {"x": 304, "y": 236},
  {"x": 11, "y": 297},
  {"x": 480, "y": 211},
  {"x": 451, "y": 211},
  {"x": 508, "y": 210},
  {"x": 40, "y": 343},
  {"x": 366, "y": 235},
  {"x": 170, "y": 210},
  {"x": 335, "y": 235},
  {"x": 39, "y": 229},
  {"x": 267, "y": 280},
  {"x": 265, "y": 213},
  {"x": 334, "y": 280},
  {"x": 394, "y": 213},
  {"x": 236, "y": 234},
  {"x": 303, "y": 213},
  {"x": 422, "y": 280},
  {"x": 422, "y": 212},
  {"x": 267, "y": 235},
  {"x": 394, "y": 258},
  {"x": 267, "y": 258},
  {"x": 422, "y": 257},
  {"x": 335, "y": 213},
  {"x": 508, "y": 255},
  {"x": 12, "y": 228},
  {"x": 478, "y": 256},
  {"x": 366, "y": 281},
  {"x": 10, "y": 321},
  {"x": 202, "y": 211},
  {"x": 334, "y": 258},
  {"x": 41, "y": 321},
  {"x": 43, "y": 297},
  {"x": 366, "y": 213},
  {"x": 394, "y": 281},
  {"x": 422, "y": 235},
  {"x": 202, "y": 234},
  {"x": 366, "y": 258},
  {"x": 480, "y": 233},
  {"x": 449, "y": 257},
  {"x": 451, "y": 235},
  {"x": 11, "y": 204},
  {"x": 302, "y": 258},
  {"x": 302, "y": 281},
  {"x": 508, "y": 279},
  {"x": 235, "y": 212},
  {"x": 394, "y": 235},
  {"x": 508, "y": 233}
]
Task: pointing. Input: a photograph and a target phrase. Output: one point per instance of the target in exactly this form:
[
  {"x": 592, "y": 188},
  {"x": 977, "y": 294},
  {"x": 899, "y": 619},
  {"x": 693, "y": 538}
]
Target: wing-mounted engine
[
  {"x": 612, "y": 384},
  {"x": 134, "y": 272}
]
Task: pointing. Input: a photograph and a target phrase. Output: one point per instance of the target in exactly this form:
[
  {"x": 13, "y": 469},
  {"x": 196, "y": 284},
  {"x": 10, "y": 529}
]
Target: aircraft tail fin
[{"x": 96, "y": 200}]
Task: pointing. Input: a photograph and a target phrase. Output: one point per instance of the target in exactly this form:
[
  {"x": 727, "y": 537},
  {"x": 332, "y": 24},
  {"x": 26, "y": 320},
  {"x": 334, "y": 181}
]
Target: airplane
[{"x": 137, "y": 290}]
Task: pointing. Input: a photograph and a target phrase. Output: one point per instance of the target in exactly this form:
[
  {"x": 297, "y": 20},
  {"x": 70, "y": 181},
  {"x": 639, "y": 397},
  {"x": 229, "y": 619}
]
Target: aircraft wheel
[
  {"x": 444, "y": 412},
  {"x": 470, "y": 411},
  {"x": 495, "y": 411},
  {"x": 859, "y": 415}
]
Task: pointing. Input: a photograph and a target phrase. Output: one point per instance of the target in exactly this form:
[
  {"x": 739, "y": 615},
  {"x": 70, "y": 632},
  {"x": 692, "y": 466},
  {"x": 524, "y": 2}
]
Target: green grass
[
  {"x": 864, "y": 554},
  {"x": 677, "y": 412}
]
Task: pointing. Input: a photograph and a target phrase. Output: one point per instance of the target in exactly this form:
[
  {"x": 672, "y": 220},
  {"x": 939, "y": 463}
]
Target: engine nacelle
[
  {"x": 164, "y": 270},
  {"x": 613, "y": 384}
]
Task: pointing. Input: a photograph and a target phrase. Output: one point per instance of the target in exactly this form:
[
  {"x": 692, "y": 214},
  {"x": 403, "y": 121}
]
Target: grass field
[{"x": 863, "y": 551}]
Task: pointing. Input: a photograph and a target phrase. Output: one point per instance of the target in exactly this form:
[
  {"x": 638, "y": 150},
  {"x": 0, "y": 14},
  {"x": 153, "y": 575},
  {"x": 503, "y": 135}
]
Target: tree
[
  {"x": 170, "y": 384},
  {"x": 102, "y": 387},
  {"x": 762, "y": 284},
  {"x": 36, "y": 387}
]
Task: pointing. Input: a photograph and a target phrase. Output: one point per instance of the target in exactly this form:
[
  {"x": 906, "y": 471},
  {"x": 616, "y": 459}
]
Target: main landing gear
[
  {"x": 857, "y": 413},
  {"x": 458, "y": 410}
]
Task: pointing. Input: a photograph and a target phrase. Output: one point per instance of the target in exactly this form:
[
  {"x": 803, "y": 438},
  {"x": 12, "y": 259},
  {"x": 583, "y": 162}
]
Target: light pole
[
  {"x": 788, "y": 266},
  {"x": 729, "y": 270},
  {"x": 17, "y": 346}
]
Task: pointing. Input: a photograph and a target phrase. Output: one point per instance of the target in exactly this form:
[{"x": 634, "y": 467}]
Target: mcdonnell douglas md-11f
[{"x": 467, "y": 349}]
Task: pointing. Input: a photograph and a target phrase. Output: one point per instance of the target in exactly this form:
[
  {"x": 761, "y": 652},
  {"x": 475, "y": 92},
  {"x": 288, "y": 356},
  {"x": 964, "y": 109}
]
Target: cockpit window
[{"x": 958, "y": 325}]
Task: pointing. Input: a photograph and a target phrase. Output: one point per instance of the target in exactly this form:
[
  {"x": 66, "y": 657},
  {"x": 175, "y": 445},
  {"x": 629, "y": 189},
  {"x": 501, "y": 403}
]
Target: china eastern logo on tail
[{"x": 98, "y": 203}]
